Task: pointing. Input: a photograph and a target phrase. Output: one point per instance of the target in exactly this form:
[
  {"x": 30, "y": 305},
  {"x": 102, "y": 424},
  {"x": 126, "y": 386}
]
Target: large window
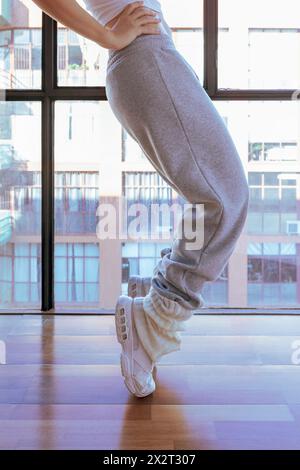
[
  {"x": 20, "y": 45},
  {"x": 81, "y": 142},
  {"x": 64, "y": 155},
  {"x": 80, "y": 62},
  {"x": 259, "y": 44},
  {"x": 273, "y": 206},
  {"x": 20, "y": 204}
]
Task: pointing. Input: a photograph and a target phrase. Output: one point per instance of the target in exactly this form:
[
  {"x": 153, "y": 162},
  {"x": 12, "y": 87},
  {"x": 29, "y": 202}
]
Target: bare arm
[{"x": 135, "y": 20}]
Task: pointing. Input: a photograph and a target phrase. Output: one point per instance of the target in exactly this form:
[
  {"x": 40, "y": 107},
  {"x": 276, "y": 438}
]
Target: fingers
[
  {"x": 153, "y": 25},
  {"x": 150, "y": 29},
  {"x": 132, "y": 6},
  {"x": 141, "y": 11},
  {"x": 144, "y": 18},
  {"x": 151, "y": 21}
]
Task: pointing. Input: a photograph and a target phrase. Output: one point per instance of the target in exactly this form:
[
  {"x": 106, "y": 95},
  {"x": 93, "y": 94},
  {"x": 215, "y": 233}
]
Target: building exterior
[{"x": 97, "y": 162}]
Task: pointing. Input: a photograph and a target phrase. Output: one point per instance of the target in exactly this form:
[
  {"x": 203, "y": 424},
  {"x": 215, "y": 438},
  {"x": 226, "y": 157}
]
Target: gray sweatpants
[{"x": 158, "y": 98}]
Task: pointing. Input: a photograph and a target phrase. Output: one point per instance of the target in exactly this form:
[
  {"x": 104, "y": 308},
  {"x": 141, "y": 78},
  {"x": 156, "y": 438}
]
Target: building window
[
  {"x": 146, "y": 187},
  {"x": 27, "y": 56},
  {"x": 161, "y": 204},
  {"x": 215, "y": 293},
  {"x": 246, "y": 58},
  {"x": 273, "y": 202},
  {"x": 273, "y": 152},
  {"x": 20, "y": 204},
  {"x": 77, "y": 274},
  {"x": 139, "y": 259},
  {"x": 20, "y": 274},
  {"x": 272, "y": 274},
  {"x": 76, "y": 202}
]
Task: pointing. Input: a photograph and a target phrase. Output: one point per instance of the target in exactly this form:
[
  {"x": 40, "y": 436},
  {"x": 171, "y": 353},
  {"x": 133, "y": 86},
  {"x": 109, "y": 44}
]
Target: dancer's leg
[{"x": 158, "y": 98}]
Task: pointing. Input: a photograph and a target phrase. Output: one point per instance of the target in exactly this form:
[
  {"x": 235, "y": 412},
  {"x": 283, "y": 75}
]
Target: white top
[{"x": 104, "y": 10}]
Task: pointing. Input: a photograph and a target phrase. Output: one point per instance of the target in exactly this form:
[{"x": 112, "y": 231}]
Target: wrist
[{"x": 110, "y": 38}]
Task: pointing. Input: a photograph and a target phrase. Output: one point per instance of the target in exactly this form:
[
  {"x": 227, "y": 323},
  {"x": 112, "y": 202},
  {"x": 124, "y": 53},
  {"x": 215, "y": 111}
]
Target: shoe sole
[{"x": 123, "y": 316}]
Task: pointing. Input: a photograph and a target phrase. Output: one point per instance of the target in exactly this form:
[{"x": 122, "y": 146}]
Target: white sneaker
[
  {"x": 136, "y": 365},
  {"x": 139, "y": 286}
]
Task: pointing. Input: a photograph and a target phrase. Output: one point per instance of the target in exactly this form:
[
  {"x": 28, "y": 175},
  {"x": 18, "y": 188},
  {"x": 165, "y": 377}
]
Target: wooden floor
[{"x": 233, "y": 385}]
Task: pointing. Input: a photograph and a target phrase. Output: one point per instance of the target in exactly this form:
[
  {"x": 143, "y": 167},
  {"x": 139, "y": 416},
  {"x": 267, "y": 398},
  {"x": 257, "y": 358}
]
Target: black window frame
[{"x": 50, "y": 92}]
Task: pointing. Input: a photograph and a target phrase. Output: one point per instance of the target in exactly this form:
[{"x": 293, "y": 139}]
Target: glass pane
[
  {"x": 83, "y": 146},
  {"x": 91, "y": 165},
  {"x": 259, "y": 44},
  {"x": 216, "y": 293},
  {"x": 187, "y": 27},
  {"x": 20, "y": 45},
  {"x": 82, "y": 62},
  {"x": 20, "y": 204},
  {"x": 267, "y": 256}
]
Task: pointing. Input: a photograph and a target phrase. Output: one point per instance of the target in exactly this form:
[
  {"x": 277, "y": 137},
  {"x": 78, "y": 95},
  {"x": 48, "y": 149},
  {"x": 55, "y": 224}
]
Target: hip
[
  {"x": 144, "y": 42},
  {"x": 148, "y": 74}
]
